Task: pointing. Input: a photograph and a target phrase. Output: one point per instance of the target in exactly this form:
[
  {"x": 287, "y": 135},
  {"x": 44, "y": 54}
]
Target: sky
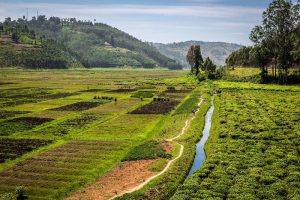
[{"x": 163, "y": 21}]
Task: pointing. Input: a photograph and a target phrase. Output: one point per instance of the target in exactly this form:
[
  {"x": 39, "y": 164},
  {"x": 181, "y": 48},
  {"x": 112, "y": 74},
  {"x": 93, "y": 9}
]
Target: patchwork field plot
[
  {"x": 124, "y": 127},
  {"x": 156, "y": 107},
  {"x": 6, "y": 114},
  {"x": 253, "y": 152},
  {"x": 143, "y": 94},
  {"x": 77, "y": 137},
  {"x": 19, "y": 96},
  {"x": 65, "y": 127},
  {"x": 62, "y": 168},
  {"x": 120, "y": 105},
  {"x": 21, "y": 124},
  {"x": 14, "y": 148},
  {"x": 122, "y": 90},
  {"x": 80, "y": 106}
]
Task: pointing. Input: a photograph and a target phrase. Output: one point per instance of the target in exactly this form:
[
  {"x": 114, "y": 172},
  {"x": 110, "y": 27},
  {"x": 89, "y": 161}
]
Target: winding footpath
[{"x": 183, "y": 131}]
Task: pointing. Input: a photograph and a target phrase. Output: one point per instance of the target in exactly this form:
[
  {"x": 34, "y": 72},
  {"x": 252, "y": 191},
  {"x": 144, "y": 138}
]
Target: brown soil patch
[
  {"x": 156, "y": 107},
  {"x": 80, "y": 106},
  {"x": 31, "y": 120},
  {"x": 124, "y": 177},
  {"x": 122, "y": 90},
  {"x": 13, "y": 148},
  {"x": 5, "y": 113},
  {"x": 93, "y": 90}
]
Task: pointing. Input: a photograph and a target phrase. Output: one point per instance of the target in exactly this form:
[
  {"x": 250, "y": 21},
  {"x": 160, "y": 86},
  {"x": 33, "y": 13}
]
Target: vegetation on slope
[
  {"x": 217, "y": 51},
  {"x": 94, "y": 45}
]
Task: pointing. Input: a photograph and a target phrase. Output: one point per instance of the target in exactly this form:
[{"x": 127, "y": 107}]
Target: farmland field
[
  {"x": 253, "y": 150},
  {"x": 62, "y": 129}
]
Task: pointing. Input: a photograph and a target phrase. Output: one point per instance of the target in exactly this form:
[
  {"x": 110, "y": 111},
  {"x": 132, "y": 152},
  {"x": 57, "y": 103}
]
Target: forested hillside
[
  {"x": 217, "y": 51},
  {"x": 91, "y": 44}
]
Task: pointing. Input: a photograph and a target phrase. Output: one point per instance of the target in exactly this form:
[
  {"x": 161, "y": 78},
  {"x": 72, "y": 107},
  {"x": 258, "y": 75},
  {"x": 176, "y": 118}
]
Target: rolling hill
[
  {"x": 217, "y": 51},
  {"x": 91, "y": 44}
]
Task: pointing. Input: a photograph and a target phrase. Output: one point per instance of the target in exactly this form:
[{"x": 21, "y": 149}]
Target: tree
[
  {"x": 210, "y": 68},
  {"x": 280, "y": 21},
  {"x": 195, "y": 59},
  {"x": 261, "y": 56},
  {"x": 112, "y": 41}
]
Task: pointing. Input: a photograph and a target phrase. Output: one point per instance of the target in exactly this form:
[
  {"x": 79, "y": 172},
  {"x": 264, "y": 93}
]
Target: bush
[
  {"x": 146, "y": 151},
  {"x": 143, "y": 94}
]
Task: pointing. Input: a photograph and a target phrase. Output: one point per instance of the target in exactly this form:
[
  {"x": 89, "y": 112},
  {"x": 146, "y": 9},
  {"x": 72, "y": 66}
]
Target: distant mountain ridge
[{"x": 217, "y": 51}]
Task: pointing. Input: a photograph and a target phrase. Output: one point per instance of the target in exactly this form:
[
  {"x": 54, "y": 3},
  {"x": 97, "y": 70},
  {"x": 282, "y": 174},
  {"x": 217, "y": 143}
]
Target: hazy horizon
[{"x": 163, "y": 21}]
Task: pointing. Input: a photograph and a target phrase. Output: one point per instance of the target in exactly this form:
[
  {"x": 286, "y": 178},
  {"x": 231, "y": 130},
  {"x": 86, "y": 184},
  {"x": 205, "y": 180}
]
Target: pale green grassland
[{"x": 86, "y": 143}]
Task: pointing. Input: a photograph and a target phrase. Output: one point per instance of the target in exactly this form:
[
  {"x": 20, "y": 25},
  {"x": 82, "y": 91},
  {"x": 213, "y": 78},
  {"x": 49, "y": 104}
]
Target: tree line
[
  {"x": 276, "y": 47},
  {"x": 202, "y": 69}
]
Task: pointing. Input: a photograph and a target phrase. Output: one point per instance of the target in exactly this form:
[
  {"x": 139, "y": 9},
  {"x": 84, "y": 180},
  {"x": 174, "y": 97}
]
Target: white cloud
[{"x": 210, "y": 11}]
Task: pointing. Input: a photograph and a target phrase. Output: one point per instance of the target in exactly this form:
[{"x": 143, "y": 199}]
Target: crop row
[
  {"x": 55, "y": 172},
  {"x": 21, "y": 124},
  {"x": 253, "y": 151},
  {"x": 156, "y": 107},
  {"x": 13, "y": 148}
]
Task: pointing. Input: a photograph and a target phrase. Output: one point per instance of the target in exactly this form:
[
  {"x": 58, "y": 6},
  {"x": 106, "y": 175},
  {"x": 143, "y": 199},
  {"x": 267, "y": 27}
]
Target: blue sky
[{"x": 163, "y": 21}]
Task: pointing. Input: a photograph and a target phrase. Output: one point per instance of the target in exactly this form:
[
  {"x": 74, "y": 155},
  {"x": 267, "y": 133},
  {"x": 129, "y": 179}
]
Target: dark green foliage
[
  {"x": 240, "y": 58},
  {"x": 83, "y": 105},
  {"x": 210, "y": 68},
  {"x": 217, "y": 51},
  {"x": 14, "y": 148},
  {"x": 20, "y": 124},
  {"x": 6, "y": 114},
  {"x": 104, "y": 98},
  {"x": 18, "y": 195},
  {"x": 253, "y": 148},
  {"x": 48, "y": 56},
  {"x": 146, "y": 151},
  {"x": 194, "y": 58},
  {"x": 161, "y": 99},
  {"x": 93, "y": 45},
  {"x": 143, "y": 94},
  {"x": 276, "y": 44},
  {"x": 157, "y": 106}
]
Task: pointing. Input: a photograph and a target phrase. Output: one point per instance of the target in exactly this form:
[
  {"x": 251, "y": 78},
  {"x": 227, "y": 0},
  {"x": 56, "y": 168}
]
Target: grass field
[
  {"x": 253, "y": 150},
  {"x": 61, "y": 129}
]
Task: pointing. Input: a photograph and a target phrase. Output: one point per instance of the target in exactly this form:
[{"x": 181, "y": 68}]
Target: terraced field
[{"x": 60, "y": 130}]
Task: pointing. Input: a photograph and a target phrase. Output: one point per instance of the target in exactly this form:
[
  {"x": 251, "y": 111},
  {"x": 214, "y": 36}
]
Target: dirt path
[
  {"x": 187, "y": 124},
  {"x": 109, "y": 187},
  {"x": 152, "y": 177},
  {"x": 183, "y": 131}
]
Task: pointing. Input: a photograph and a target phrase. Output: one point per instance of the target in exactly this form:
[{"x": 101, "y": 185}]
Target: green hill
[
  {"x": 217, "y": 51},
  {"x": 92, "y": 45}
]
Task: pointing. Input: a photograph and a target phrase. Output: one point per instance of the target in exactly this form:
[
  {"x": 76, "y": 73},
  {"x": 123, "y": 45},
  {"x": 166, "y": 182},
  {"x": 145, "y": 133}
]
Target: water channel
[{"x": 200, "y": 152}]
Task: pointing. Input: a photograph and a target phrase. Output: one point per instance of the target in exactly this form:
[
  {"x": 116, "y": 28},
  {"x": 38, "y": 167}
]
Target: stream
[{"x": 200, "y": 152}]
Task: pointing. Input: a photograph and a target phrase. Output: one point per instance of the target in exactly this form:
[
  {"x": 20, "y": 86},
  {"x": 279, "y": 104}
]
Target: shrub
[{"x": 146, "y": 151}]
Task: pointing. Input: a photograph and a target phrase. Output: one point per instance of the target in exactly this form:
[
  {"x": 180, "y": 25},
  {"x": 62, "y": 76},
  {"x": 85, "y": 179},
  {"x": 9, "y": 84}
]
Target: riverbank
[{"x": 164, "y": 187}]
